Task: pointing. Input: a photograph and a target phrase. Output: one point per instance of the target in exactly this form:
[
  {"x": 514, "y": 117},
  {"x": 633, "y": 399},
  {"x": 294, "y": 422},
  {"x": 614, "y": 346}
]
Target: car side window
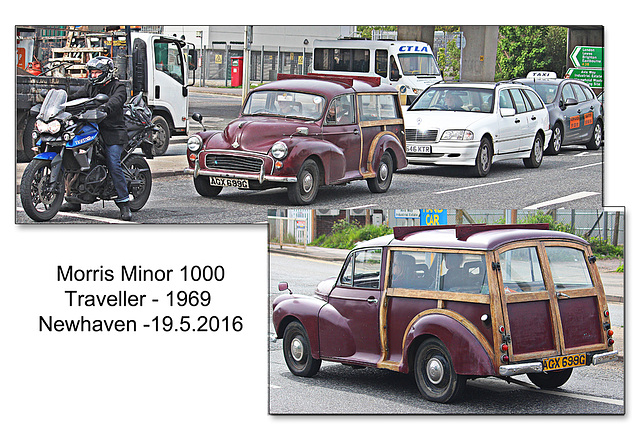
[
  {"x": 505, "y": 99},
  {"x": 521, "y": 106},
  {"x": 588, "y": 92},
  {"x": 465, "y": 273},
  {"x": 579, "y": 93},
  {"x": 567, "y": 92},
  {"x": 534, "y": 99},
  {"x": 363, "y": 269},
  {"x": 568, "y": 268},
  {"x": 414, "y": 270},
  {"x": 521, "y": 272},
  {"x": 377, "y": 107},
  {"x": 340, "y": 111},
  {"x": 381, "y": 62}
]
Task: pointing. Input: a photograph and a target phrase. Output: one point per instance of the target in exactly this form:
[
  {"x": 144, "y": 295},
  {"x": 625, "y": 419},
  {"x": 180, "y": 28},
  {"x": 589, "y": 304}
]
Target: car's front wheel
[
  {"x": 434, "y": 374},
  {"x": 297, "y": 351},
  {"x": 484, "y": 158},
  {"x": 305, "y": 189},
  {"x": 552, "y": 379},
  {"x": 204, "y": 187}
]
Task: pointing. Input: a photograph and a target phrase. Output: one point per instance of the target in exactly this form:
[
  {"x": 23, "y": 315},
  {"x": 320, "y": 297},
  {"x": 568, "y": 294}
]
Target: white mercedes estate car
[{"x": 476, "y": 124}]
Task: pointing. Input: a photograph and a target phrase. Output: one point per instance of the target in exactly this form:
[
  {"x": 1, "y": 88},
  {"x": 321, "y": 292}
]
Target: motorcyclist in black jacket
[{"x": 101, "y": 79}]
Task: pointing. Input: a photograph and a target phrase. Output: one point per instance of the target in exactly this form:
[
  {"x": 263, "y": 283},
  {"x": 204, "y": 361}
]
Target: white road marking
[
  {"x": 586, "y": 166},
  {"x": 575, "y": 196},
  {"x": 90, "y": 217},
  {"x": 568, "y": 394},
  {"x": 478, "y": 185}
]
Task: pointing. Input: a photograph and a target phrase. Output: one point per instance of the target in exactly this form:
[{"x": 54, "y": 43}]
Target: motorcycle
[{"x": 70, "y": 157}]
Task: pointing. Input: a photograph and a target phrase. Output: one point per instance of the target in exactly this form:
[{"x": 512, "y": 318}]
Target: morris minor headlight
[
  {"x": 279, "y": 150},
  {"x": 457, "y": 135},
  {"x": 194, "y": 143}
]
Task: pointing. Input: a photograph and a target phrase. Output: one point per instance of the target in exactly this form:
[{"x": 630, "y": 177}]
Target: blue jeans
[{"x": 112, "y": 154}]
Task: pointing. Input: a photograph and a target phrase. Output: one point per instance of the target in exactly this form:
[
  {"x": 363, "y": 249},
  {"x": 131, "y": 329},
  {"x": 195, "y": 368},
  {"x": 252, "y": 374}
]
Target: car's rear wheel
[
  {"x": 596, "y": 139},
  {"x": 556, "y": 140},
  {"x": 382, "y": 181},
  {"x": 297, "y": 351},
  {"x": 434, "y": 374},
  {"x": 535, "y": 158},
  {"x": 552, "y": 379}
]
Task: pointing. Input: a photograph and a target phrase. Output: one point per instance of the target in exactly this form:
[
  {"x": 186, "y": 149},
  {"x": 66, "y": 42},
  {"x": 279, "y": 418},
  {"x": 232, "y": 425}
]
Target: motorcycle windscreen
[{"x": 53, "y": 104}]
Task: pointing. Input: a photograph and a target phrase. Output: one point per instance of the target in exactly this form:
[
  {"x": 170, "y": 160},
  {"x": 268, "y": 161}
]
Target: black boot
[
  {"x": 125, "y": 211},
  {"x": 70, "y": 207}
]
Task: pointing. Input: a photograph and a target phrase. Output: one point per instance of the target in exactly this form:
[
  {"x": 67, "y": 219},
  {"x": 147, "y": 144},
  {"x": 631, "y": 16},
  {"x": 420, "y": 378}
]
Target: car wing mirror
[
  {"x": 570, "y": 101},
  {"x": 284, "y": 286},
  {"x": 507, "y": 112},
  {"x": 198, "y": 118},
  {"x": 302, "y": 130}
]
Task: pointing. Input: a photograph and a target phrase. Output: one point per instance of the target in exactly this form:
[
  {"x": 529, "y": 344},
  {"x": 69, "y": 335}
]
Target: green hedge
[{"x": 345, "y": 235}]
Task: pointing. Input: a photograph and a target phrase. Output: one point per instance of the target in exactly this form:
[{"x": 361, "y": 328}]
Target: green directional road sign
[
  {"x": 588, "y": 57},
  {"x": 592, "y": 77}
]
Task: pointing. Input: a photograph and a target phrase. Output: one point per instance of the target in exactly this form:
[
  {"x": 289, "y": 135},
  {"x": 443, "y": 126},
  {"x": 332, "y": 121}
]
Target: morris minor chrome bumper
[
  {"x": 261, "y": 177},
  {"x": 536, "y": 367}
]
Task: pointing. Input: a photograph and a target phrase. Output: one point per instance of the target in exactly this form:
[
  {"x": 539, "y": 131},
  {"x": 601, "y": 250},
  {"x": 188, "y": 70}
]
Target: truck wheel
[
  {"x": 161, "y": 138},
  {"x": 305, "y": 190},
  {"x": 297, "y": 351},
  {"x": 382, "y": 180},
  {"x": 204, "y": 188},
  {"x": 553, "y": 379},
  {"x": 434, "y": 374}
]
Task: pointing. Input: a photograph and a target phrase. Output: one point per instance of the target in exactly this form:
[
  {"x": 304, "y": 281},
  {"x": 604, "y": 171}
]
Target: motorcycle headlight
[
  {"x": 194, "y": 143},
  {"x": 54, "y": 126},
  {"x": 51, "y": 127},
  {"x": 457, "y": 135},
  {"x": 41, "y": 126},
  {"x": 279, "y": 150}
]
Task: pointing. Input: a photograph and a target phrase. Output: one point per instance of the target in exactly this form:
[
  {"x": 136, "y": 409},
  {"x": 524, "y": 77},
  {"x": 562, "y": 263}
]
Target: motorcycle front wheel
[
  {"x": 41, "y": 199},
  {"x": 138, "y": 174}
]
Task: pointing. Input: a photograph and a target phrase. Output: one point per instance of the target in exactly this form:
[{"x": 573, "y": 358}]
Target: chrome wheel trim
[
  {"x": 435, "y": 370},
  {"x": 307, "y": 182},
  {"x": 297, "y": 349}
]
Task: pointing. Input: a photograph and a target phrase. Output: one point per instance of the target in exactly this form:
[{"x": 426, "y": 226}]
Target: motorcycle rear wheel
[
  {"x": 138, "y": 176},
  {"x": 41, "y": 199}
]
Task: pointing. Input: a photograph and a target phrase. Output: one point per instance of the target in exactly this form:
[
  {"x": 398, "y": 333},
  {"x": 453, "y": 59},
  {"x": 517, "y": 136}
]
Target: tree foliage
[{"x": 527, "y": 48}]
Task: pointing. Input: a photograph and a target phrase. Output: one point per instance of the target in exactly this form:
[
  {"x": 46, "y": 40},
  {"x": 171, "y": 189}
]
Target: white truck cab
[{"x": 409, "y": 66}]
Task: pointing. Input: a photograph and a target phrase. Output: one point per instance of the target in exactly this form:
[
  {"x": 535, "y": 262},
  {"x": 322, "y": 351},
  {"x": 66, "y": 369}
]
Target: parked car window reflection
[{"x": 363, "y": 269}]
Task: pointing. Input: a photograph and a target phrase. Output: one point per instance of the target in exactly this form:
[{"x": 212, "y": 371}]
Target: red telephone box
[{"x": 236, "y": 71}]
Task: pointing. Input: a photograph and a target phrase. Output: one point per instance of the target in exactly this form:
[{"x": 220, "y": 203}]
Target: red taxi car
[
  {"x": 302, "y": 132},
  {"x": 450, "y": 303}
]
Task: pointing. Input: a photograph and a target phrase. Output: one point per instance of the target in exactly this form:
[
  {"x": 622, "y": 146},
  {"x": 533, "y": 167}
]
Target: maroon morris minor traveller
[
  {"x": 302, "y": 132},
  {"x": 451, "y": 303}
]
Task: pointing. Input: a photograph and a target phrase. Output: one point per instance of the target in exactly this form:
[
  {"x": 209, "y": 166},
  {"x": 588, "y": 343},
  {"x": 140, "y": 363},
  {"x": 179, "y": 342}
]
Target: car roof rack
[
  {"x": 345, "y": 80},
  {"x": 464, "y": 231}
]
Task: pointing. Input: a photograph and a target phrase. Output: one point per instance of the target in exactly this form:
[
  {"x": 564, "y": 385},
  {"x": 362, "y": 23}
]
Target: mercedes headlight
[
  {"x": 194, "y": 143},
  {"x": 279, "y": 150},
  {"x": 457, "y": 135}
]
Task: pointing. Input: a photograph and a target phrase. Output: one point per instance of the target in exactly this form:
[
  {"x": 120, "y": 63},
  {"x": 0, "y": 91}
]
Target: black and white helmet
[{"x": 103, "y": 64}]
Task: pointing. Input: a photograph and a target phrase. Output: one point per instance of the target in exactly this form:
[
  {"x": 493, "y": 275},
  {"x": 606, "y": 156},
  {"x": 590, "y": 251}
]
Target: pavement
[{"x": 612, "y": 281}]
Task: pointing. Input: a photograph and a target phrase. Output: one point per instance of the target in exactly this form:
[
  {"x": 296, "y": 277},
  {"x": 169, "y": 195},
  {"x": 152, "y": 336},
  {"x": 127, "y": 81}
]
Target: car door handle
[
  {"x": 579, "y": 111},
  {"x": 356, "y": 132},
  {"x": 563, "y": 295},
  {"x": 533, "y": 117},
  {"x": 372, "y": 300},
  {"x": 517, "y": 120}
]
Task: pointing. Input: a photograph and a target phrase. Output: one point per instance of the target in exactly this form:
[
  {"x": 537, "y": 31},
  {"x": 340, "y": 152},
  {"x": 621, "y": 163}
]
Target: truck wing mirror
[{"x": 193, "y": 59}]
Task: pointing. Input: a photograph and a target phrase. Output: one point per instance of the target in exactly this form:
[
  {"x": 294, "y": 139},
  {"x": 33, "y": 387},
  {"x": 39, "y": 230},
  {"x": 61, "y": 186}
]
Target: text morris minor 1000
[
  {"x": 302, "y": 132},
  {"x": 451, "y": 303}
]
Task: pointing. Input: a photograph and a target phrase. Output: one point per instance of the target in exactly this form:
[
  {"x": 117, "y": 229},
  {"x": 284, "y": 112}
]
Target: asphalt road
[{"x": 341, "y": 389}]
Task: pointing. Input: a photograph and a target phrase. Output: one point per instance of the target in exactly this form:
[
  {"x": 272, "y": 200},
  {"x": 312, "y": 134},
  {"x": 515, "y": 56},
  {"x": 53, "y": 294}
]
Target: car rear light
[
  {"x": 505, "y": 358},
  {"x": 610, "y": 332},
  {"x": 505, "y": 347},
  {"x": 606, "y": 313},
  {"x": 501, "y": 329},
  {"x": 611, "y": 341}
]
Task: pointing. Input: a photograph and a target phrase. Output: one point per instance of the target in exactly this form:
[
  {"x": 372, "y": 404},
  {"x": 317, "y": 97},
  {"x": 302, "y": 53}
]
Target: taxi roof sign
[{"x": 541, "y": 75}]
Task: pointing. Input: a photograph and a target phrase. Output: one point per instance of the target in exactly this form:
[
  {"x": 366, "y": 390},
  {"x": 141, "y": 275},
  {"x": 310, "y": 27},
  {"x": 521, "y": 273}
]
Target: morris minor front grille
[
  {"x": 415, "y": 135},
  {"x": 233, "y": 163}
]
